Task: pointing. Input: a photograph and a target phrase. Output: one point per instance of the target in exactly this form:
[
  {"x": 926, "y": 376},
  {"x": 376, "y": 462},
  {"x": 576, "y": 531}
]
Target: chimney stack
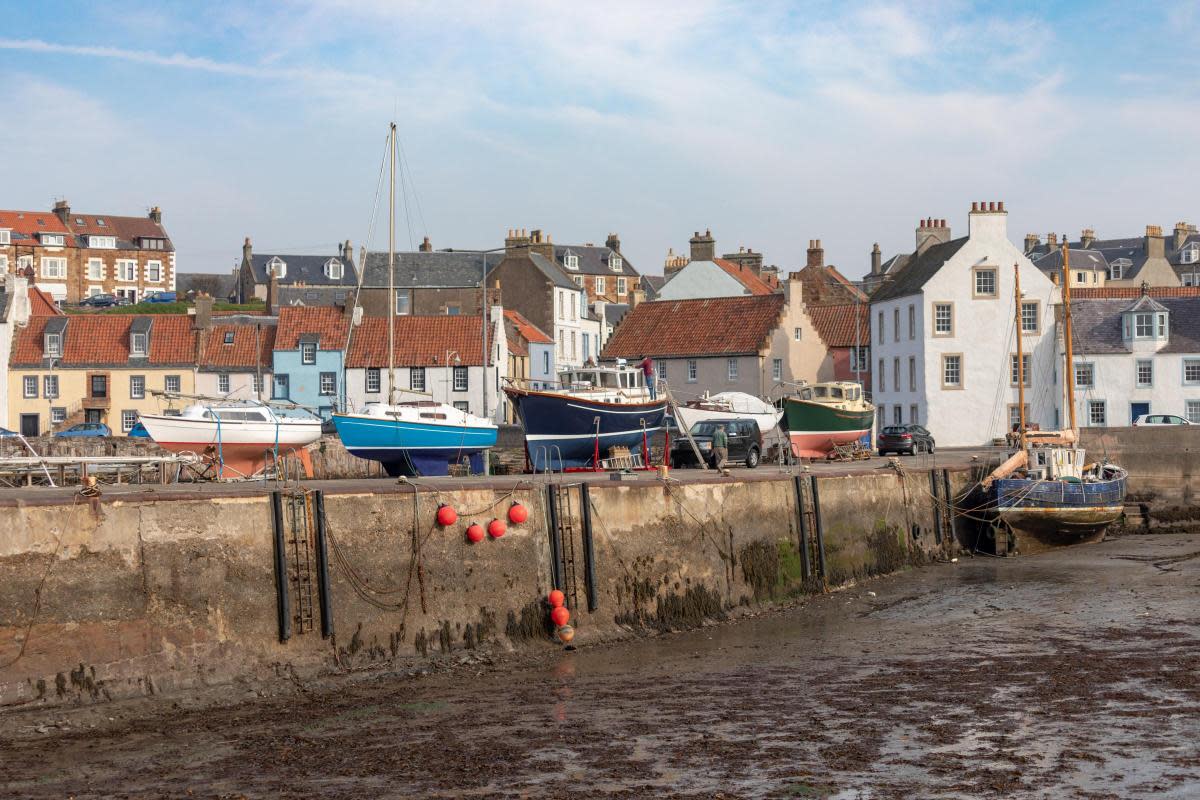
[
  {"x": 1182, "y": 231},
  {"x": 876, "y": 259},
  {"x": 1087, "y": 238},
  {"x": 703, "y": 247},
  {"x": 62, "y": 210},
  {"x": 816, "y": 254},
  {"x": 1052, "y": 240},
  {"x": 204, "y": 307},
  {"x": 746, "y": 257},
  {"x": 347, "y": 251},
  {"x": 613, "y": 242},
  {"x": 1032, "y": 240},
  {"x": 247, "y": 251},
  {"x": 1155, "y": 246},
  {"x": 426, "y": 246},
  {"x": 673, "y": 263},
  {"x": 156, "y": 215},
  {"x": 516, "y": 243},
  {"x": 931, "y": 231},
  {"x": 541, "y": 244}
]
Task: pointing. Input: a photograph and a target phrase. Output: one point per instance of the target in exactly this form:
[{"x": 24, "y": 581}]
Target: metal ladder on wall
[
  {"x": 301, "y": 565},
  {"x": 564, "y": 515}
]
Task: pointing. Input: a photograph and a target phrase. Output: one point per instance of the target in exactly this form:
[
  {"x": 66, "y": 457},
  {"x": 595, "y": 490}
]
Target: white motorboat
[{"x": 726, "y": 406}]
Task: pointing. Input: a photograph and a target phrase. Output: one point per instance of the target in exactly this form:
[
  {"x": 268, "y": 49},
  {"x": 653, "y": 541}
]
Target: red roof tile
[
  {"x": 32, "y": 222},
  {"x": 745, "y": 276},
  {"x": 103, "y": 340},
  {"x": 824, "y": 285},
  {"x": 326, "y": 321},
  {"x": 420, "y": 341},
  {"x": 529, "y": 332},
  {"x": 1120, "y": 292},
  {"x": 41, "y": 304},
  {"x": 124, "y": 228},
  {"x": 703, "y": 327},
  {"x": 835, "y": 324},
  {"x": 241, "y": 351}
]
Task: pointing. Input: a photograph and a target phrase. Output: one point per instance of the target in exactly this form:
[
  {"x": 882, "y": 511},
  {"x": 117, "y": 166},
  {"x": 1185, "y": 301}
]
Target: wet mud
[{"x": 1067, "y": 674}]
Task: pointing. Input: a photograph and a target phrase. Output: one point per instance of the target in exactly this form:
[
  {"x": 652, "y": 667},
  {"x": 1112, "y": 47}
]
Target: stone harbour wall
[{"x": 156, "y": 592}]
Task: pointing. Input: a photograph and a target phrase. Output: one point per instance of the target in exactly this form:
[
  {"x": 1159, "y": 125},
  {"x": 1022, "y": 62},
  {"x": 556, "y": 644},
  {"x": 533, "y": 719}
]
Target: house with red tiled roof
[
  {"x": 760, "y": 344},
  {"x": 235, "y": 354},
  {"x": 102, "y": 368},
  {"x": 846, "y": 332},
  {"x": 823, "y": 284},
  {"x": 307, "y": 358},
  {"x": 71, "y": 255},
  {"x": 436, "y": 357},
  {"x": 530, "y": 353}
]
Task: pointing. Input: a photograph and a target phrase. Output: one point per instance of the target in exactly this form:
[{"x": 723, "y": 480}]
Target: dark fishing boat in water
[{"x": 1046, "y": 494}]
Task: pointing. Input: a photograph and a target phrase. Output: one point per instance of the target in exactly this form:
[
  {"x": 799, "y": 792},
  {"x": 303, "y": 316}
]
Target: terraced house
[
  {"x": 97, "y": 368},
  {"x": 73, "y": 255}
]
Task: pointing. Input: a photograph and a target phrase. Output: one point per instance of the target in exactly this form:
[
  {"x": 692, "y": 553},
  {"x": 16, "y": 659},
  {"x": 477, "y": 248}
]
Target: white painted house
[
  {"x": 1136, "y": 355},
  {"x": 943, "y": 345}
]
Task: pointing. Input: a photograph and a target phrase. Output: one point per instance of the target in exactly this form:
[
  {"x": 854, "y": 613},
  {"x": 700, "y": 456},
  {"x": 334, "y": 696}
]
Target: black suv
[
  {"x": 745, "y": 442},
  {"x": 911, "y": 439}
]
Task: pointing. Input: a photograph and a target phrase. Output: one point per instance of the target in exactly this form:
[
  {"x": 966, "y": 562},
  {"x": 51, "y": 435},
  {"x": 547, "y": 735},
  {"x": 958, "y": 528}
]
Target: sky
[{"x": 770, "y": 123}]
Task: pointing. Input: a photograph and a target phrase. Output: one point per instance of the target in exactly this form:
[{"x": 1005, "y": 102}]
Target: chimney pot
[
  {"x": 1000, "y": 205},
  {"x": 974, "y": 207}
]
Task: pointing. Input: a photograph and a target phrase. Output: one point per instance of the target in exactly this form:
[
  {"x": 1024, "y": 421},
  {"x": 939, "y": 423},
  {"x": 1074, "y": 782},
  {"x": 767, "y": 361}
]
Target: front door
[
  {"x": 29, "y": 425},
  {"x": 1138, "y": 409},
  {"x": 93, "y": 415}
]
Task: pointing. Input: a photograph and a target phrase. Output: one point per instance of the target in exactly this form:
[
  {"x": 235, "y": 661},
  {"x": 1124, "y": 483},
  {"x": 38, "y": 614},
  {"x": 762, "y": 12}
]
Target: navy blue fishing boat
[{"x": 578, "y": 423}]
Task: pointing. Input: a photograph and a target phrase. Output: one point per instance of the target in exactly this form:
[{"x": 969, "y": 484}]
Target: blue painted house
[{"x": 308, "y": 358}]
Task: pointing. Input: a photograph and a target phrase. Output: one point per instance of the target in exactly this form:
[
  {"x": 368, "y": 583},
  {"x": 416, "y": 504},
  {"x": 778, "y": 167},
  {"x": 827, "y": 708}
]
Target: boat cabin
[
  {"x": 239, "y": 414},
  {"x": 834, "y": 392},
  {"x": 1050, "y": 463},
  {"x": 614, "y": 383}
]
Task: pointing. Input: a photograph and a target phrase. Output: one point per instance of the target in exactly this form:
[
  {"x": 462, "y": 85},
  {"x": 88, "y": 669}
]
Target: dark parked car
[
  {"x": 745, "y": 442},
  {"x": 86, "y": 429},
  {"x": 160, "y": 297},
  {"x": 911, "y": 439},
  {"x": 99, "y": 301}
]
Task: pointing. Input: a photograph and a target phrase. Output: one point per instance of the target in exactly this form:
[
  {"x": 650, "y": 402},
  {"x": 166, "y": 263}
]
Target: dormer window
[
  {"x": 1119, "y": 268},
  {"x": 1190, "y": 254},
  {"x": 614, "y": 262},
  {"x": 571, "y": 261},
  {"x": 54, "y": 345},
  {"x": 52, "y": 239},
  {"x": 277, "y": 267},
  {"x": 334, "y": 269},
  {"x": 104, "y": 242},
  {"x": 137, "y": 345},
  {"x": 152, "y": 244},
  {"x": 5, "y": 236}
]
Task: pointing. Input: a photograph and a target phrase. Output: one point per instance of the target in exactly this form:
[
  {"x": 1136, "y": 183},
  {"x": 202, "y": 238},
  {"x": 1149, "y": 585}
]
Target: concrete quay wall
[{"x": 158, "y": 592}]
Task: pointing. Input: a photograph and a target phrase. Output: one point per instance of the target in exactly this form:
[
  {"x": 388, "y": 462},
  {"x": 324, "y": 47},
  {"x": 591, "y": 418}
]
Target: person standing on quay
[
  {"x": 647, "y": 365},
  {"x": 720, "y": 443}
]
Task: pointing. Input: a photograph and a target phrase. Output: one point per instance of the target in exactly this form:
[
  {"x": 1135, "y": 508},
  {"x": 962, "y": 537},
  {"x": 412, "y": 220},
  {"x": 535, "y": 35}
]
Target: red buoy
[
  {"x": 475, "y": 533},
  {"x": 555, "y": 598},
  {"x": 560, "y": 616},
  {"x": 517, "y": 513},
  {"x": 496, "y": 528},
  {"x": 446, "y": 516}
]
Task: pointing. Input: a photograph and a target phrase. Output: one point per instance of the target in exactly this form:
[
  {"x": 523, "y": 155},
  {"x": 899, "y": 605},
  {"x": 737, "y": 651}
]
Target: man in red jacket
[{"x": 647, "y": 366}]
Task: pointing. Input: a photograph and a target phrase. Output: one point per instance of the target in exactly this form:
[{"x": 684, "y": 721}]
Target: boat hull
[
  {"x": 561, "y": 431},
  {"x": 814, "y": 429},
  {"x": 237, "y": 449},
  {"x": 1047, "y": 514},
  {"x": 414, "y": 448}
]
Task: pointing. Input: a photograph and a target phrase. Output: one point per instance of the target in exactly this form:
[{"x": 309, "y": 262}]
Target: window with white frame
[
  {"x": 578, "y": 280},
  {"x": 5, "y": 236},
  {"x": 54, "y": 267},
  {"x": 599, "y": 284},
  {"x": 731, "y": 366},
  {"x": 258, "y": 383},
  {"x": 49, "y": 386},
  {"x": 1193, "y": 412},
  {"x": 374, "y": 380},
  {"x": 1118, "y": 268},
  {"x": 24, "y": 262},
  {"x": 1145, "y": 373},
  {"x": 334, "y": 269},
  {"x": 126, "y": 270},
  {"x": 1023, "y": 371},
  {"x": 985, "y": 282},
  {"x": 416, "y": 379},
  {"x": 30, "y": 386},
  {"x": 403, "y": 301},
  {"x": 621, "y": 284},
  {"x": 777, "y": 369},
  {"x": 137, "y": 387},
  {"x": 278, "y": 267},
  {"x": 129, "y": 418},
  {"x": 1190, "y": 254},
  {"x": 1031, "y": 316},
  {"x": 52, "y": 239},
  {"x": 1143, "y": 326},
  {"x": 571, "y": 261},
  {"x": 952, "y": 371},
  {"x": 943, "y": 319},
  {"x": 615, "y": 262},
  {"x": 1191, "y": 370},
  {"x": 154, "y": 271},
  {"x": 58, "y": 415},
  {"x": 691, "y": 370},
  {"x": 460, "y": 379},
  {"x": 1085, "y": 376},
  {"x": 328, "y": 384},
  {"x": 95, "y": 269},
  {"x": 102, "y": 242},
  {"x": 796, "y": 333},
  {"x": 860, "y": 359},
  {"x": 308, "y": 352},
  {"x": 223, "y": 383},
  {"x": 1014, "y": 414},
  {"x": 172, "y": 383},
  {"x": 54, "y": 344},
  {"x": 463, "y": 405},
  {"x": 137, "y": 344},
  {"x": 1097, "y": 413}
]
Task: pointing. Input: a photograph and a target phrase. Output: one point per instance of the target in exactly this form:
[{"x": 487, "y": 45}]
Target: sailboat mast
[
  {"x": 392, "y": 265},
  {"x": 1070, "y": 355},
  {"x": 1020, "y": 360}
]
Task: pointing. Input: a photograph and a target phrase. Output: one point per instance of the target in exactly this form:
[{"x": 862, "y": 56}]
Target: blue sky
[{"x": 771, "y": 123}]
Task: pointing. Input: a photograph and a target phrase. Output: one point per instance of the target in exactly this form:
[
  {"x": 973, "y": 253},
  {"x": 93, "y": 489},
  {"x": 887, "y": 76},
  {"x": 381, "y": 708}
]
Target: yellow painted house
[{"x": 66, "y": 369}]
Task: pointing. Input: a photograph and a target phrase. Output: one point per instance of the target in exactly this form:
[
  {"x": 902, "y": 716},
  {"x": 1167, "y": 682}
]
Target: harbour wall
[
  {"x": 160, "y": 591},
  {"x": 1164, "y": 472}
]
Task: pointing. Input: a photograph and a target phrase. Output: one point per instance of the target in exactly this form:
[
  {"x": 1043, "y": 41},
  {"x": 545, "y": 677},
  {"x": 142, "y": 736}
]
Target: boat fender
[
  {"x": 475, "y": 533},
  {"x": 446, "y": 515},
  {"x": 517, "y": 513}
]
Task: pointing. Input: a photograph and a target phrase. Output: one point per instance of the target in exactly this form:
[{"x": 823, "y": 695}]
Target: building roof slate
[{"x": 917, "y": 271}]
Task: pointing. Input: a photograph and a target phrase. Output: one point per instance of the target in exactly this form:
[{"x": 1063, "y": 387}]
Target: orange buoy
[
  {"x": 496, "y": 528},
  {"x": 560, "y": 616},
  {"x": 446, "y": 516},
  {"x": 517, "y": 513},
  {"x": 565, "y": 634},
  {"x": 475, "y": 533},
  {"x": 555, "y": 598}
]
